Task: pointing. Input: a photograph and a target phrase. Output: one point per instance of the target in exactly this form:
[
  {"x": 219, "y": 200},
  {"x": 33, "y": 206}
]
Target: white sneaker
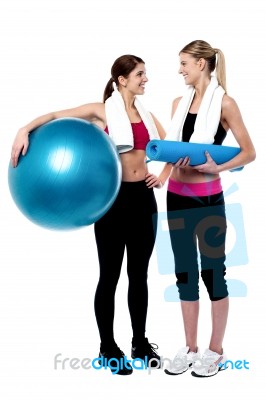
[
  {"x": 210, "y": 364},
  {"x": 182, "y": 361}
]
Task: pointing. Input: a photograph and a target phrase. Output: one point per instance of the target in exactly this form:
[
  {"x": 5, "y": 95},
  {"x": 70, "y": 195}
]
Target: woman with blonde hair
[{"x": 204, "y": 114}]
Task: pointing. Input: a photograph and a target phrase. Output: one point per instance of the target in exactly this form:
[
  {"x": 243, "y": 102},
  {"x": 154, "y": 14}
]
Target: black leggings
[
  {"x": 198, "y": 222},
  {"x": 131, "y": 223}
]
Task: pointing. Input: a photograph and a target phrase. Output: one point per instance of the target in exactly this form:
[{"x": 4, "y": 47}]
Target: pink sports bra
[{"x": 140, "y": 135}]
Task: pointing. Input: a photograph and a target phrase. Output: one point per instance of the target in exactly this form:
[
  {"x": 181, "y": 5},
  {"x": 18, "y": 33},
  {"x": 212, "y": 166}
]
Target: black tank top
[{"x": 188, "y": 129}]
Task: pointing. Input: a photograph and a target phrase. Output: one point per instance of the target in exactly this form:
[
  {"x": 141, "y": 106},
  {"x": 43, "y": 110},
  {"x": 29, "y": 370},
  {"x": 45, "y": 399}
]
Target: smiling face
[
  {"x": 136, "y": 80},
  {"x": 190, "y": 68}
]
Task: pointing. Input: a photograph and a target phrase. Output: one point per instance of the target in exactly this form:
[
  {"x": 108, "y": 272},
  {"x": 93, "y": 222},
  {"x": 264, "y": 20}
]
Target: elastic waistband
[
  {"x": 133, "y": 183},
  {"x": 195, "y": 189},
  {"x": 134, "y": 187}
]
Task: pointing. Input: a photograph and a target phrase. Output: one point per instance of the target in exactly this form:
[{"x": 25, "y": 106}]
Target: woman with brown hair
[{"x": 131, "y": 221}]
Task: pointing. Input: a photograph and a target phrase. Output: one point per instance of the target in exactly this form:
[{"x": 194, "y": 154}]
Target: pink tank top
[{"x": 140, "y": 135}]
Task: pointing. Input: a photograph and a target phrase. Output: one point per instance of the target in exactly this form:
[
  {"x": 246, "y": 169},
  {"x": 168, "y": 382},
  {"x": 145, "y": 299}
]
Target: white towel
[
  {"x": 119, "y": 126},
  {"x": 208, "y": 117}
]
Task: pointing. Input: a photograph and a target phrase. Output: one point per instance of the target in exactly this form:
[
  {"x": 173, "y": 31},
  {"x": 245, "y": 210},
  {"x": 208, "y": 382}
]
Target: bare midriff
[
  {"x": 134, "y": 167},
  {"x": 191, "y": 175}
]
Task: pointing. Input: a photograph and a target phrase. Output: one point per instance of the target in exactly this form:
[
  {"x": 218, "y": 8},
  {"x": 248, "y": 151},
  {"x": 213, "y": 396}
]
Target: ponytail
[
  {"x": 220, "y": 68},
  {"x": 108, "y": 90}
]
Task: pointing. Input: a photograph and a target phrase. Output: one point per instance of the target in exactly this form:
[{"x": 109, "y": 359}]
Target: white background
[{"x": 57, "y": 54}]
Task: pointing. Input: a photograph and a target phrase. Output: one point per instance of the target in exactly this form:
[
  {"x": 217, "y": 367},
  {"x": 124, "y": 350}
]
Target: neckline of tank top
[{"x": 136, "y": 123}]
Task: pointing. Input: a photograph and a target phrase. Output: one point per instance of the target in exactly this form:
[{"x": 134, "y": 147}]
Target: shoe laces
[
  {"x": 211, "y": 356},
  {"x": 211, "y": 360},
  {"x": 150, "y": 348},
  {"x": 185, "y": 355}
]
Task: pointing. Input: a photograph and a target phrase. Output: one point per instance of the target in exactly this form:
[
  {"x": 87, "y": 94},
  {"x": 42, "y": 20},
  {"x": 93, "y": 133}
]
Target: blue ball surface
[{"x": 69, "y": 177}]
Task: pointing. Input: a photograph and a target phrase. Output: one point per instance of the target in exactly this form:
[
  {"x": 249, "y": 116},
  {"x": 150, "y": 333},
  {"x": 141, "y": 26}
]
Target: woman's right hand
[
  {"x": 20, "y": 146},
  {"x": 182, "y": 163}
]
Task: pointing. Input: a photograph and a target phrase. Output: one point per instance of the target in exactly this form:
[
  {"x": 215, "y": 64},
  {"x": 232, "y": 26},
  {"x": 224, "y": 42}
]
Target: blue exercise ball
[{"x": 69, "y": 177}]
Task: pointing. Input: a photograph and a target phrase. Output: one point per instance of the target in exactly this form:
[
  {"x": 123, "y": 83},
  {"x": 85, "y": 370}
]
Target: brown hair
[{"x": 121, "y": 67}]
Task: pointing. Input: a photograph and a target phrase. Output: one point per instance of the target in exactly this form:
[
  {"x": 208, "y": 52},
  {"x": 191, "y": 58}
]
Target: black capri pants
[{"x": 197, "y": 227}]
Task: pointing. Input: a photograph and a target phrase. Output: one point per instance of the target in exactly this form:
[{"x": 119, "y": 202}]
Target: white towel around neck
[
  {"x": 208, "y": 116},
  {"x": 119, "y": 126}
]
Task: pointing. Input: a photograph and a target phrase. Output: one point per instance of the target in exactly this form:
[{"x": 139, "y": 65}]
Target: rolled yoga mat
[{"x": 170, "y": 151}]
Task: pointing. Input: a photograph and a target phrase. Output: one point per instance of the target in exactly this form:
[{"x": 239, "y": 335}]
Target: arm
[
  {"x": 174, "y": 105},
  {"x": 231, "y": 119},
  {"x": 165, "y": 173},
  {"x": 21, "y": 142},
  {"x": 152, "y": 179},
  {"x": 159, "y": 127}
]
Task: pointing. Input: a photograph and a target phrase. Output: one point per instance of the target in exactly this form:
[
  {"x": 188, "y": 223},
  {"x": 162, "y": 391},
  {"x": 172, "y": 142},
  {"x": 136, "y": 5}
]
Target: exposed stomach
[
  {"x": 190, "y": 175},
  {"x": 134, "y": 167}
]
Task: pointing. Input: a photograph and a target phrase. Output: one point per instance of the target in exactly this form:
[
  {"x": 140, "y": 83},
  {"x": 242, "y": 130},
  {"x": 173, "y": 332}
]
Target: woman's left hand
[
  {"x": 209, "y": 167},
  {"x": 153, "y": 181}
]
